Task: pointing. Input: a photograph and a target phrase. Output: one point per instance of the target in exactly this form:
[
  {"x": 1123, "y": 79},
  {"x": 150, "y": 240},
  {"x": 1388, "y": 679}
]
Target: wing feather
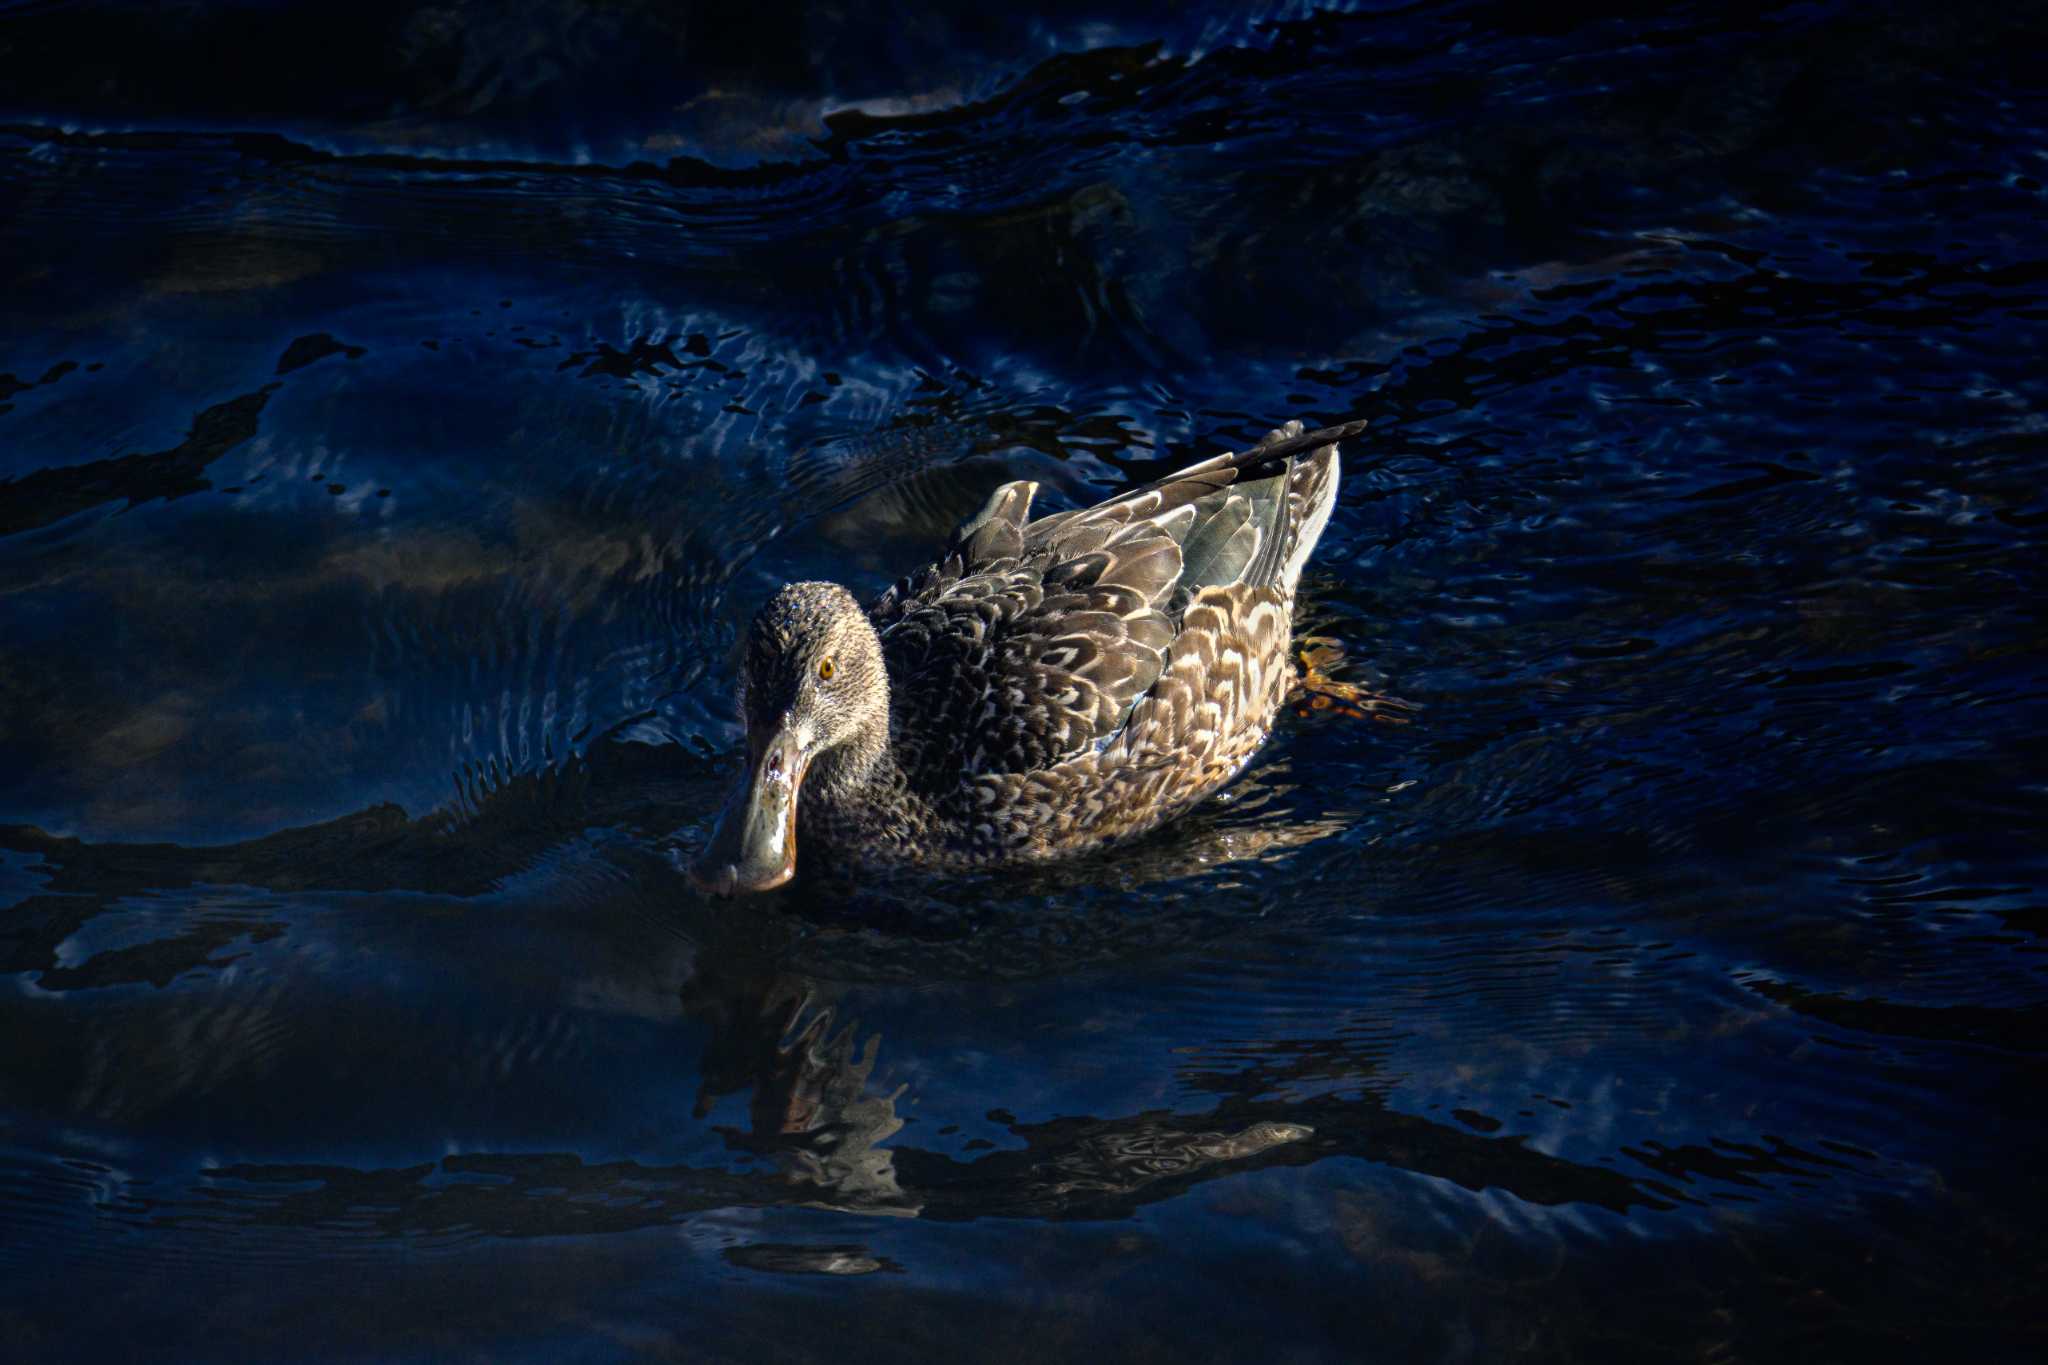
[{"x": 1032, "y": 642}]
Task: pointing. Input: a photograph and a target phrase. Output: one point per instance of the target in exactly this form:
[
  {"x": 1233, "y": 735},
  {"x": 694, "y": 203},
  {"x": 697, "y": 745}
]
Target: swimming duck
[{"x": 1045, "y": 688}]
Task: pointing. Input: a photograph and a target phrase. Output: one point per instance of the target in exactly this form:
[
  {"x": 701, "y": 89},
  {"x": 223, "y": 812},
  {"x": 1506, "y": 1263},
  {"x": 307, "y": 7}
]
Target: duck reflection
[
  {"x": 810, "y": 1112},
  {"x": 814, "y": 1112}
]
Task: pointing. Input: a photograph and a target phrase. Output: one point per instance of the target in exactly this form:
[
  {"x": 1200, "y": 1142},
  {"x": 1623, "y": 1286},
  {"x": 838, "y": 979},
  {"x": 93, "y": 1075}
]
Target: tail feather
[
  {"x": 1303, "y": 496},
  {"x": 1249, "y": 516},
  {"x": 1311, "y": 496}
]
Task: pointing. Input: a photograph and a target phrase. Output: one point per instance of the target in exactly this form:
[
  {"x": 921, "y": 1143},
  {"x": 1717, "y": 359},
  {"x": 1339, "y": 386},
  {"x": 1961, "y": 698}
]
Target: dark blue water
[{"x": 402, "y": 407}]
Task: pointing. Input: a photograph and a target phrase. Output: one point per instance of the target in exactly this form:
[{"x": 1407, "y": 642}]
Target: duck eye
[{"x": 825, "y": 670}]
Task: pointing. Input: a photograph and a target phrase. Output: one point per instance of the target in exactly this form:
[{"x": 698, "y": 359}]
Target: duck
[{"x": 1043, "y": 689}]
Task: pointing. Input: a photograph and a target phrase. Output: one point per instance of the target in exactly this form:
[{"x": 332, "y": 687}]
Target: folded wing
[{"x": 1029, "y": 643}]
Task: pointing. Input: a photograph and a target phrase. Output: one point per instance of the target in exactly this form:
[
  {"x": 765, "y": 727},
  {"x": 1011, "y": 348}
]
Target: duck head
[{"x": 815, "y": 697}]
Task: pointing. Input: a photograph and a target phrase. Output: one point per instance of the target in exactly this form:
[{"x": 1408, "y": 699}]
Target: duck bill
[{"x": 754, "y": 846}]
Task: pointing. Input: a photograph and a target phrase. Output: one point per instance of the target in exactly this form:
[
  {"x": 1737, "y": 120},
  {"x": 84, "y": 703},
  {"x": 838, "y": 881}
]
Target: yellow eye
[{"x": 825, "y": 670}]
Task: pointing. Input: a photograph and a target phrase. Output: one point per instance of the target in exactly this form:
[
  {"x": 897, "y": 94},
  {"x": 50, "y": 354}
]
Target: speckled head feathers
[{"x": 812, "y": 659}]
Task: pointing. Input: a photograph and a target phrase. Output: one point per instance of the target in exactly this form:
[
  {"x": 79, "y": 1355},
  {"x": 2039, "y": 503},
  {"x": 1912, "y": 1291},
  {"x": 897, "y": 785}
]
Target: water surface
[{"x": 399, "y": 419}]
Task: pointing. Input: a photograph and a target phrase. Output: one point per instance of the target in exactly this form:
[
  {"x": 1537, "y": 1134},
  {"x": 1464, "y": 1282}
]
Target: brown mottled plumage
[{"x": 1047, "y": 687}]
